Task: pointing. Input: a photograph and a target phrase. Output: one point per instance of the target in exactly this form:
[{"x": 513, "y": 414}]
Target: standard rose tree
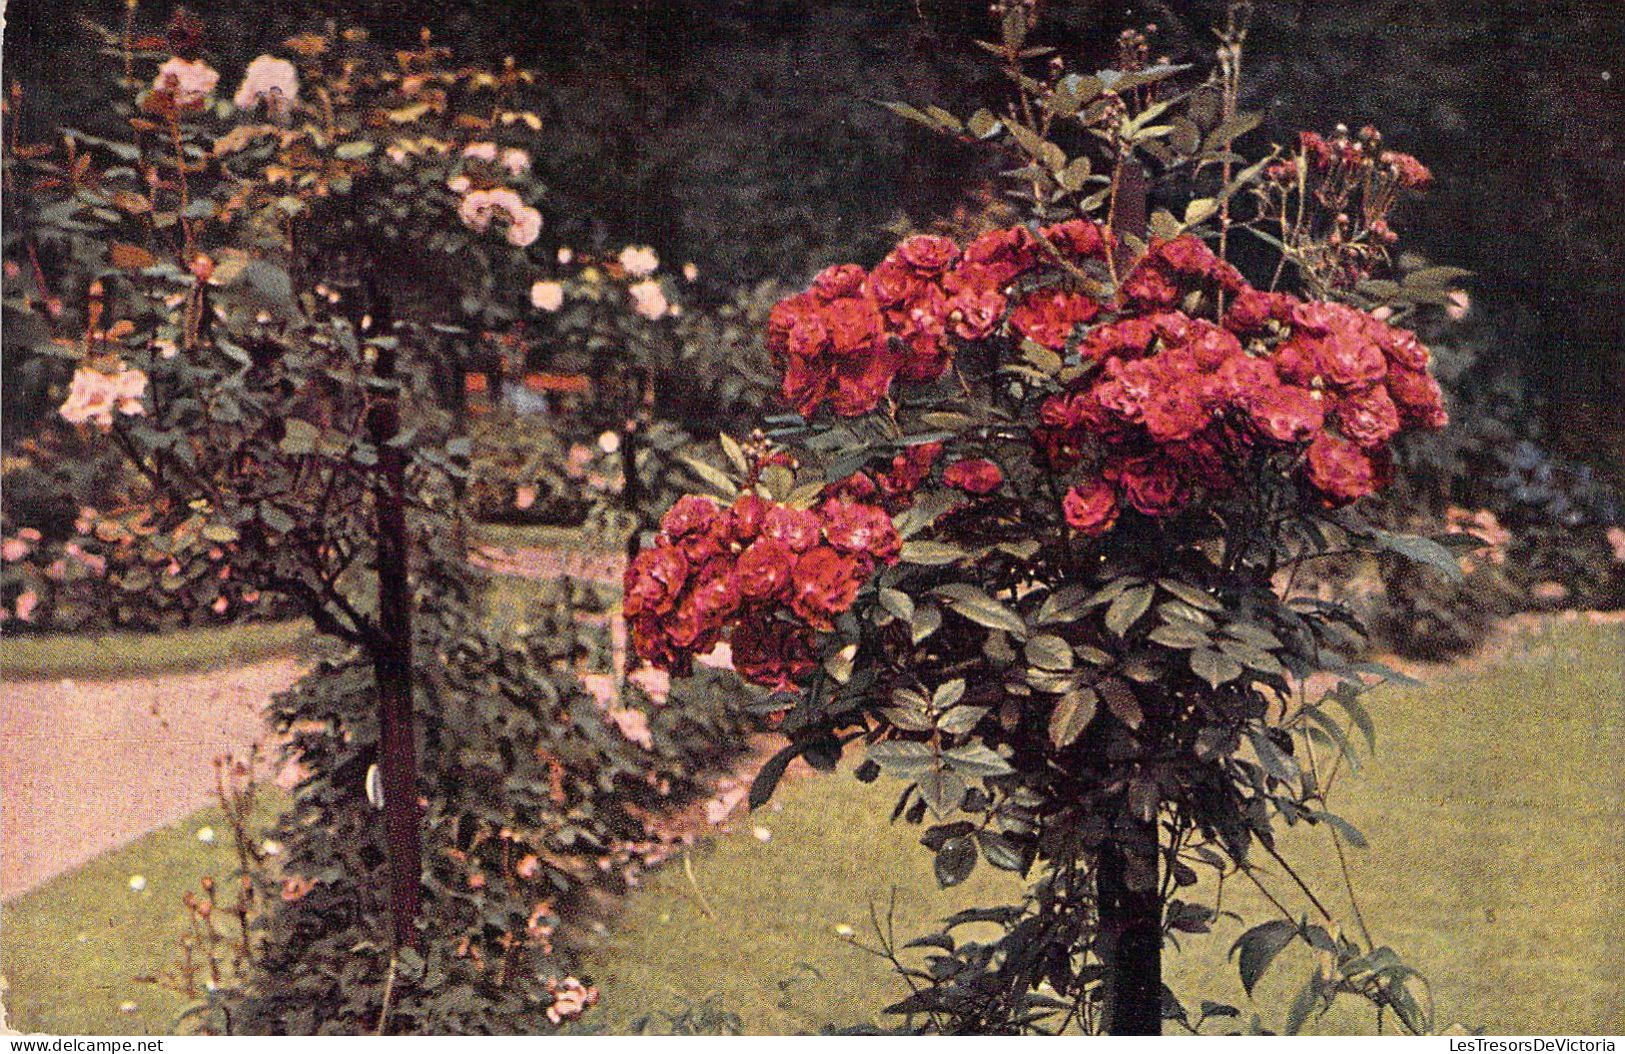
[{"x": 1029, "y": 545}]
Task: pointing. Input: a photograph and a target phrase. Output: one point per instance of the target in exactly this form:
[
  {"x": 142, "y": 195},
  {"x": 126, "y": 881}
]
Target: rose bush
[{"x": 1077, "y": 644}]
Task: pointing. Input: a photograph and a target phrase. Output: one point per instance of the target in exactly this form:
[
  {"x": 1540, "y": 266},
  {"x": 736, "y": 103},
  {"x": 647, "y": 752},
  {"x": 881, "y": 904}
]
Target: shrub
[
  {"x": 540, "y": 810},
  {"x": 1030, "y": 536}
]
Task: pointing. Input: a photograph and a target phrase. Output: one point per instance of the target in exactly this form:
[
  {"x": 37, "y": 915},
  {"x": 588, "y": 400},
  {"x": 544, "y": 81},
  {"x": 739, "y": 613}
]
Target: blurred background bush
[{"x": 742, "y": 136}]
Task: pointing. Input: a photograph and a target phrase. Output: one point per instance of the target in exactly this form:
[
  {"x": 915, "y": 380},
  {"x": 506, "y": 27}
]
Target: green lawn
[
  {"x": 129, "y": 654},
  {"x": 1495, "y": 807},
  {"x": 71, "y": 950}
]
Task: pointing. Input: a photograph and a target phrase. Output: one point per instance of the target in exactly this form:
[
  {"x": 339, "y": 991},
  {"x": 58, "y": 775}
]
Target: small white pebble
[
  {"x": 845, "y": 932},
  {"x": 271, "y": 847},
  {"x": 762, "y": 834},
  {"x": 138, "y": 883},
  {"x": 205, "y": 835},
  {"x": 127, "y": 1007}
]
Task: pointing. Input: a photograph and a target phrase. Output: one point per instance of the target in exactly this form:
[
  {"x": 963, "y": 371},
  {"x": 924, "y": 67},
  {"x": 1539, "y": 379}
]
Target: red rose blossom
[
  {"x": 772, "y": 653},
  {"x": 863, "y": 530},
  {"x": 1091, "y": 507},
  {"x": 796, "y": 529},
  {"x": 1153, "y": 485},
  {"x": 823, "y": 584},
  {"x": 978, "y": 476},
  {"x": 1284, "y": 412},
  {"x": 763, "y": 570},
  {"x": 1049, "y": 316},
  {"x": 1340, "y": 470},
  {"x": 653, "y": 580},
  {"x": 690, "y": 515},
  {"x": 1369, "y": 418}
]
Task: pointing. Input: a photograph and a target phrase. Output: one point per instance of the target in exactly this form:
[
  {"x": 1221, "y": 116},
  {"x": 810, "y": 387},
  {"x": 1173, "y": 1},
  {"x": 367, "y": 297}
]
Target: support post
[
  {"x": 1130, "y": 937},
  {"x": 1127, "y": 897},
  {"x": 392, "y": 667}
]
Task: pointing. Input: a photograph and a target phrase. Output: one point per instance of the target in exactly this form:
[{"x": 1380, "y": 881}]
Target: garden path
[{"x": 87, "y": 766}]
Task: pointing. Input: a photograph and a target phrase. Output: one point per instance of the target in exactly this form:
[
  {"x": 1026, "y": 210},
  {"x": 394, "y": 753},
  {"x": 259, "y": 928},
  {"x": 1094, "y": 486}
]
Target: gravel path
[{"x": 86, "y": 766}]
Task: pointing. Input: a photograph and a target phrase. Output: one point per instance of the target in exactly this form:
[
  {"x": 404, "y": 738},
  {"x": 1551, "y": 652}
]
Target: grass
[
  {"x": 111, "y": 655},
  {"x": 70, "y": 951},
  {"x": 1495, "y": 808},
  {"x": 543, "y": 536}
]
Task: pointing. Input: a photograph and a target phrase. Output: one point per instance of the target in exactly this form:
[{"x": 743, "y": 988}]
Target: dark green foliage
[{"x": 518, "y": 762}]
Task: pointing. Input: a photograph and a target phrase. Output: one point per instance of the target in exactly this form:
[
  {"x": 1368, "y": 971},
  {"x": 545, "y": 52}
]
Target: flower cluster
[
  {"x": 769, "y": 575},
  {"x": 270, "y": 80},
  {"x": 480, "y": 207},
  {"x": 571, "y": 999},
  {"x": 1364, "y": 156},
  {"x": 95, "y": 395},
  {"x": 1178, "y": 404},
  {"x": 185, "y": 83},
  {"x": 847, "y": 338}
]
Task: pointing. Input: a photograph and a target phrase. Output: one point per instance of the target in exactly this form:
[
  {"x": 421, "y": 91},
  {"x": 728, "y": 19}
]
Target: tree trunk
[
  {"x": 1127, "y": 896},
  {"x": 392, "y": 668},
  {"x": 1130, "y": 939}
]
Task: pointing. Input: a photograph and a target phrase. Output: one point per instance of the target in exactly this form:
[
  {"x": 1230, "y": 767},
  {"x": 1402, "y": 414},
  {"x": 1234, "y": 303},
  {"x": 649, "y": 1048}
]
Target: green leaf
[
  {"x": 299, "y": 437},
  {"x": 276, "y": 519},
  {"x": 898, "y": 603},
  {"x": 974, "y": 604},
  {"x": 1066, "y": 604},
  {"x": 948, "y": 694},
  {"x": 1303, "y": 1004},
  {"x": 1351, "y": 834},
  {"x": 931, "y": 554},
  {"x": 1420, "y": 550},
  {"x": 976, "y": 759},
  {"x": 1196, "y": 598},
  {"x": 736, "y": 453},
  {"x": 982, "y": 124},
  {"x": 1072, "y": 714},
  {"x": 351, "y": 151},
  {"x": 942, "y": 791},
  {"x": 220, "y": 532},
  {"x": 927, "y": 620},
  {"x": 768, "y": 776},
  {"x": 902, "y": 758},
  {"x": 955, "y": 861},
  {"x": 1232, "y": 129},
  {"x": 1259, "y": 946},
  {"x": 1435, "y": 277},
  {"x": 1275, "y": 761},
  {"x": 961, "y": 719},
  {"x": 1180, "y": 636},
  {"x": 712, "y": 476},
  {"x": 1127, "y": 609},
  {"x": 1361, "y": 717},
  {"x": 1120, "y": 700},
  {"x": 998, "y": 851},
  {"x": 1049, "y": 652},
  {"x": 1214, "y": 667}
]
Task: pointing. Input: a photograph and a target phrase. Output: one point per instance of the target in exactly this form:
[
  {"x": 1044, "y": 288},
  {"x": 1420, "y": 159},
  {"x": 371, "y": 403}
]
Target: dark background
[{"x": 738, "y": 133}]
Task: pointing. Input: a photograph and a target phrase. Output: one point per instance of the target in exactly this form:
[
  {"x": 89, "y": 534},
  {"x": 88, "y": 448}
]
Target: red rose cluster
[
  {"x": 1179, "y": 402},
  {"x": 847, "y": 338},
  {"x": 1362, "y": 153},
  {"x": 768, "y": 576}
]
